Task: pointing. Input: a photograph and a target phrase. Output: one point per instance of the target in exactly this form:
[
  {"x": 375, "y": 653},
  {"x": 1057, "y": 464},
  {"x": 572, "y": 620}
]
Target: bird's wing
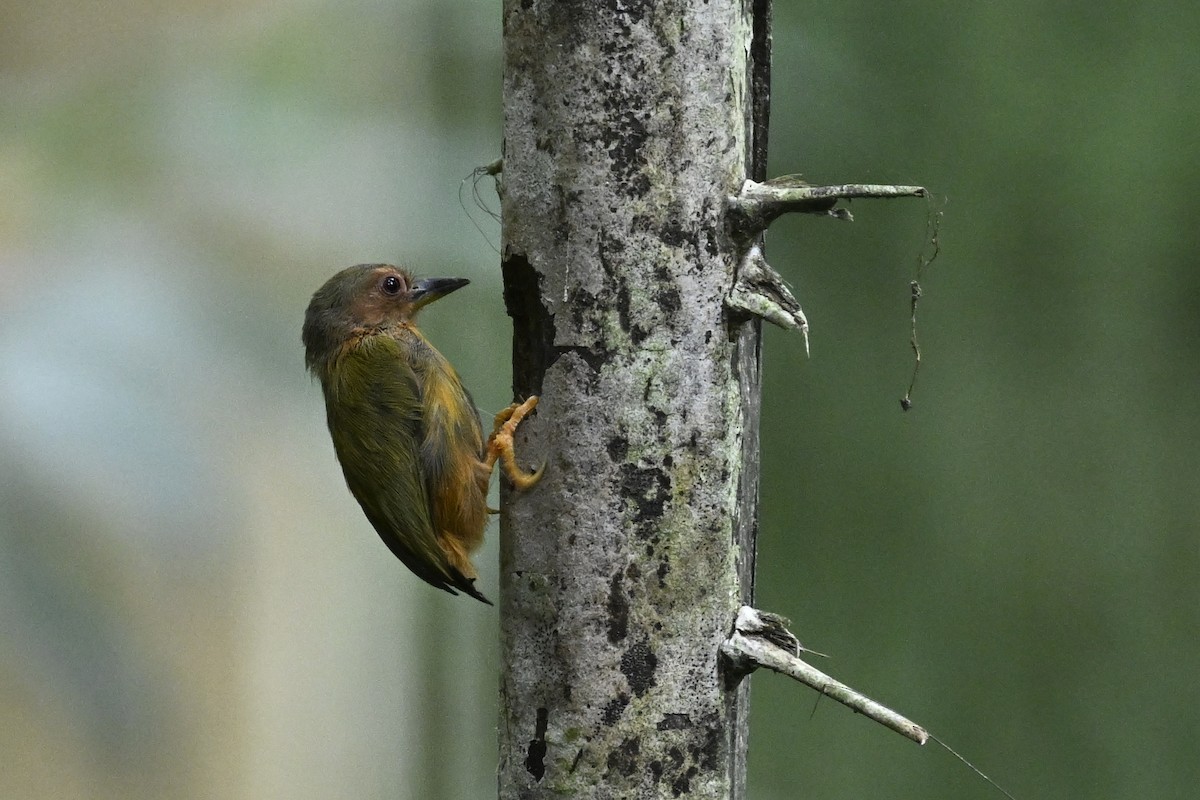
[
  {"x": 375, "y": 420},
  {"x": 453, "y": 447}
]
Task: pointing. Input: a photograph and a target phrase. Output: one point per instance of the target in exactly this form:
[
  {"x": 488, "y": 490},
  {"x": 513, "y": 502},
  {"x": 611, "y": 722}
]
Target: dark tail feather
[{"x": 469, "y": 588}]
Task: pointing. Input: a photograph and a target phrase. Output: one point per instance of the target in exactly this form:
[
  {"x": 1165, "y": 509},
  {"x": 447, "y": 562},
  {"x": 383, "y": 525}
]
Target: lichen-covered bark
[{"x": 627, "y": 124}]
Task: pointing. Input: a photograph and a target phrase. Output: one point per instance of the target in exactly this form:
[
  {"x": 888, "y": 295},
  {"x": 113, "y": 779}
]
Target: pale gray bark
[{"x": 628, "y": 124}]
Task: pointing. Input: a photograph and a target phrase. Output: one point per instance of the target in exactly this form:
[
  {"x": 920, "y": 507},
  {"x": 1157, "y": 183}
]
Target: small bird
[{"x": 404, "y": 428}]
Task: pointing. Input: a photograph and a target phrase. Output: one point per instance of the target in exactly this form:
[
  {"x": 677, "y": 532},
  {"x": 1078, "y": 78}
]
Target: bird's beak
[{"x": 426, "y": 290}]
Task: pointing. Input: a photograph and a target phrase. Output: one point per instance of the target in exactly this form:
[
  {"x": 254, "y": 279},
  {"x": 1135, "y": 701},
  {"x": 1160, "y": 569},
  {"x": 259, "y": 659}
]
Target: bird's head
[{"x": 365, "y": 297}]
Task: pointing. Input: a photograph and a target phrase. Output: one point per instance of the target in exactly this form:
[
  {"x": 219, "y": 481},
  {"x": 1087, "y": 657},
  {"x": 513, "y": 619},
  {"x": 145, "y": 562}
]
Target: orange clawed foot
[{"x": 500, "y": 445}]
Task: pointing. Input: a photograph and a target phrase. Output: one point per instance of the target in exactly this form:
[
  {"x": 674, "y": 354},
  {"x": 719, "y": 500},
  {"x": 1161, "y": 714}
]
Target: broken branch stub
[
  {"x": 760, "y": 639},
  {"x": 759, "y": 290},
  {"x": 757, "y": 205}
]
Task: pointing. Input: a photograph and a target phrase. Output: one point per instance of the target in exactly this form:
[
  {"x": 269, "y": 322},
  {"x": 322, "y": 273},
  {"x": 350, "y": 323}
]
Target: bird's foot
[{"x": 500, "y": 445}]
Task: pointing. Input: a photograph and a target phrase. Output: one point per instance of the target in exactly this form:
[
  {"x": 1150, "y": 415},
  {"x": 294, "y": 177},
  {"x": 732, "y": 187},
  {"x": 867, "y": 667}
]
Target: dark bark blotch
[
  {"x": 638, "y": 665},
  {"x": 649, "y": 490},
  {"x": 535, "y": 760},
  {"x": 623, "y": 759},
  {"x": 623, "y": 306},
  {"x": 594, "y": 358},
  {"x": 618, "y": 610},
  {"x": 669, "y": 301},
  {"x": 707, "y": 753},
  {"x": 674, "y": 722},
  {"x": 618, "y": 448},
  {"x": 533, "y": 325},
  {"x": 614, "y": 709},
  {"x": 683, "y": 784}
]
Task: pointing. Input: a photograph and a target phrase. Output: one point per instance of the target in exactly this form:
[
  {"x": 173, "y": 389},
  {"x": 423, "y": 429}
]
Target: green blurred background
[{"x": 191, "y": 604}]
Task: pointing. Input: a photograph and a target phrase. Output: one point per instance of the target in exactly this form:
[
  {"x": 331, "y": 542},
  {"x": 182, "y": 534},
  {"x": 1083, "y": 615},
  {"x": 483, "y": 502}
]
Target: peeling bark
[{"x": 627, "y": 125}]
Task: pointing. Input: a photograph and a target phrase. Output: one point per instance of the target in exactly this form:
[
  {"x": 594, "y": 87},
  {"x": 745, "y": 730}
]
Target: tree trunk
[{"x": 627, "y": 125}]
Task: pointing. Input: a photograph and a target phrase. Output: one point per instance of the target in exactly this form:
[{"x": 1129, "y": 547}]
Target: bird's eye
[{"x": 392, "y": 285}]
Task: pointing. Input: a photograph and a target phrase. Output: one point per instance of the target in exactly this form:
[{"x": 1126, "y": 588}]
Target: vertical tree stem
[{"x": 627, "y": 124}]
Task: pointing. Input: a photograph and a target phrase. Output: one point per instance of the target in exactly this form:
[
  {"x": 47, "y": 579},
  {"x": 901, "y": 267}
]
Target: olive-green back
[{"x": 373, "y": 403}]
